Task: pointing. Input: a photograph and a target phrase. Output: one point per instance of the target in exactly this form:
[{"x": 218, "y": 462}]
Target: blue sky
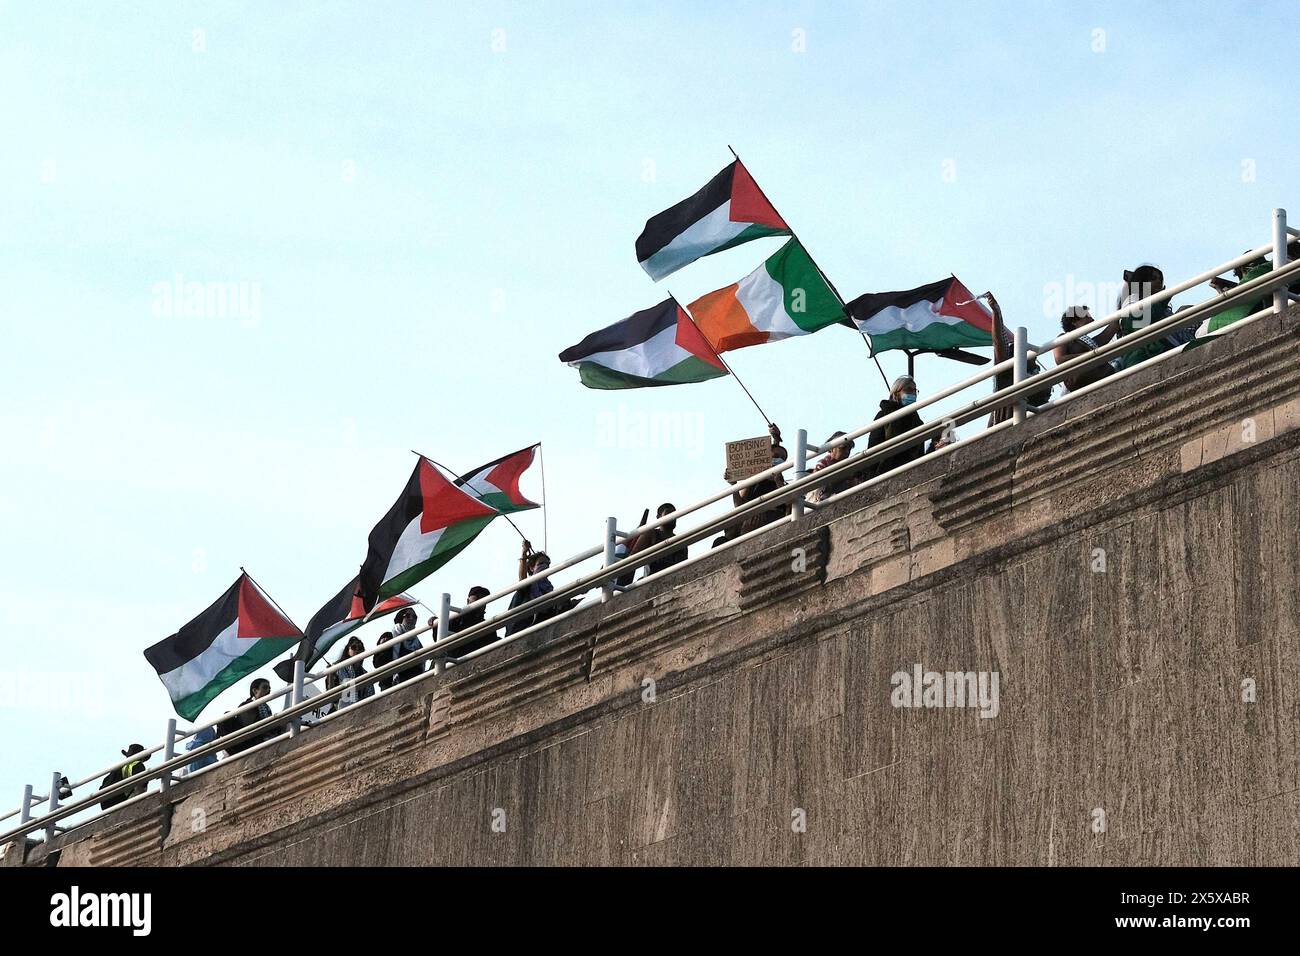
[{"x": 426, "y": 202}]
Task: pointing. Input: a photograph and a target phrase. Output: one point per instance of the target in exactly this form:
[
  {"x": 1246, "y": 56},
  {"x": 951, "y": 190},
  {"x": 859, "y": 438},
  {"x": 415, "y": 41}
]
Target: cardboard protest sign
[{"x": 748, "y": 457}]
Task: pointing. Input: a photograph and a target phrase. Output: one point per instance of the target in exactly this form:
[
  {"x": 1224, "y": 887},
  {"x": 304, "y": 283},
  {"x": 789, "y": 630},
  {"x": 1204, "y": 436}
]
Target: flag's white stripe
[
  {"x": 412, "y": 548},
  {"x": 914, "y": 318},
  {"x": 763, "y": 300},
  {"x": 700, "y": 237},
  {"x": 652, "y": 357},
  {"x": 481, "y": 486},
  {"x": 196, "y": 674}
]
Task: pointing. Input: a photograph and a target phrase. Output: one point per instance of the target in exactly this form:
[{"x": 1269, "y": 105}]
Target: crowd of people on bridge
[{"x": 1140, "y": 283}]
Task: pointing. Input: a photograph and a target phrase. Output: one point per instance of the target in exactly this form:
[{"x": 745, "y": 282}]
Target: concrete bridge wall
[{"x": 770, "y": 736}]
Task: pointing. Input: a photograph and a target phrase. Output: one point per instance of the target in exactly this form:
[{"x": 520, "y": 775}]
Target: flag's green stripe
[
  {"x": 808, "y": 299},
  {"x": 263, "y": 651},
  {"x": 688, "y": 370},
  {"x": 501, "y": 501},
  {"x": 752, "y": 231},
  {"x": 452, "y": 542},
  {"x": 936, "y": 335}
]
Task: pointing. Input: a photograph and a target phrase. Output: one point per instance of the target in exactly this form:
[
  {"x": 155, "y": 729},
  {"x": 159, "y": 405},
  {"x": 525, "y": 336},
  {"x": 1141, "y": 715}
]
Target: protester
[
  {"x": 129, "y": 769},
  {"x": 353, "y": 671},
  {"x": 467, "y": 619},
  {"x": 622, "y": 550},
  {"x": 752, "y": 492},
  {"x": 1247, "y": 273},
  {"x": 1003, "y": 349},
  {"x": 654, "y": 536},
  {"x": 1071, "y": 319},
  {"x": 406, "y": 621},
  {"x": 530, "y": 563},
  {"x": 902, "y": 394},
  {"x": 257, "y": 690},
  {"x": 837, "y": 454},
  {"x": 201, "y": 737},
  {"x": 383, "y": 657},
  {"x": 1142, "y": 283}
]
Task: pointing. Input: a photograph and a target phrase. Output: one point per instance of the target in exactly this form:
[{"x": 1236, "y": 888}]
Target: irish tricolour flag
[
  {"x": 783, "y": 297},
  {"x": 434, "y": 520},
  {"x": 656, "y": 346},
  {"x": 730, "y": 210},
  {"x": 941, "y": 315},
  {"x": 234, "y": 637}
]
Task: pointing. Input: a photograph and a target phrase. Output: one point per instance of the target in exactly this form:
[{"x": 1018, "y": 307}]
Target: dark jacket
[
  {"x": 523, "y": 596},
  {"x": 118, "y": 775},
  {"x": 464, "y": 622},
  {"x": 409, "y": 645},
  {"x": 895, "y": 428},
  {"x": 653, "y": 537},
  {"x": 755, "y": 520},
  {"x": 238, "y": 722}
]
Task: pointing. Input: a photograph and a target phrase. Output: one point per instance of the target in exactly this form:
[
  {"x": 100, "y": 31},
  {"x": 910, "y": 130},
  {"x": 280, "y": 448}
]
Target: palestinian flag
[
  {"x": 783, "y": 297},
  {"x": 941, "y": 315},
  {"x": 729, "y": 211},
  {"x": 497, "y": 483},
  {"x": 340, "y": 616},
  {"x": 657, "y": 346},
  {"x": 431, "y": 523},
  {"x": 234, "y": 637}
]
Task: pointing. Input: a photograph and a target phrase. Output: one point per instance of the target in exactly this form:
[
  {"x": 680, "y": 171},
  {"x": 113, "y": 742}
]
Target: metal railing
[{"x": 790, "y": 499}]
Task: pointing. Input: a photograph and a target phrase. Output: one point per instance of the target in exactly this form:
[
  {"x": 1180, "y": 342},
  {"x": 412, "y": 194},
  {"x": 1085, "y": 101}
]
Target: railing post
[
  {"x": 611, "y": 542},
  {"x": 1280, "y": 237},
  {"x": 800, "y": 466},
  {"x": 444, "y": 628},
  {"x": 26, "y": 815},
  {"x": 1021, "y": 370},
  {"x": 55, "y": 779},
  {"x": 295, "y": 696},
  {"x": 169, "y": 751}
]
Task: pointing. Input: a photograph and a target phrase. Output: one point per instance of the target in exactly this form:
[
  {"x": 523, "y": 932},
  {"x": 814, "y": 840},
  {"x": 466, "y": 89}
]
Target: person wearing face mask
[{"x": 902, "y": 394}]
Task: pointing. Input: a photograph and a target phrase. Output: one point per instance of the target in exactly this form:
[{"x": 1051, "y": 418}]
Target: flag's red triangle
[
  {"x": 444, "y": 503},
  {"x": 507, "y": 473},
  {"x": 748, "y": 204},
  {"x": 971, "y": 310},
  {"x": 258, "y": 617},
  {"x": 692, "y": 340}
]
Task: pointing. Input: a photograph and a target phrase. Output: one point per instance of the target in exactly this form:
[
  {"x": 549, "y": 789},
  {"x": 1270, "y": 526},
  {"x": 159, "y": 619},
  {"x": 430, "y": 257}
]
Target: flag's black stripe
[
  {"x": 635, "y": 329},
  {"x": 197, "y": 636},
  {"x": 865, "y": 306},
  {"x": 672, "y": 222},
  {"x": 336, "y": 609},
  {"x": 384, "y": 536}
]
